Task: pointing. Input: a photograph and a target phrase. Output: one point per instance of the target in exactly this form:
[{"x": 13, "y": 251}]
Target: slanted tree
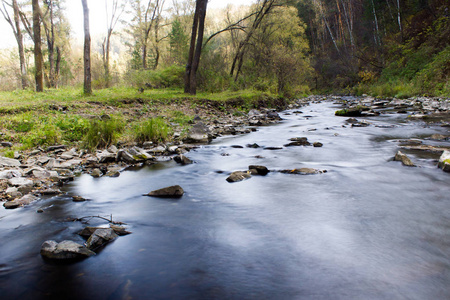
[
  {"x": 15, "y": 25},
  {"x": 87, "y": 50},
  {"x": 195, "y": 49},
  {"x": 113, "y": 16}
]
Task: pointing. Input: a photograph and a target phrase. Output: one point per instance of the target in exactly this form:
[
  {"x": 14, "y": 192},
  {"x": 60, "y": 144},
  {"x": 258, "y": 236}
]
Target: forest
[{"x": 396, "y": 48}]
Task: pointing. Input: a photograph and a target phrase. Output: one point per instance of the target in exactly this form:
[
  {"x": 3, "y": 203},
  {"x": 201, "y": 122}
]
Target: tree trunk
[
  {"x": 87, "y": 50},
  {"x": 38, "y": 59},
  {"x": 187, "y": 79},
  {"x": 19, "y": 38},
  {"x": 198, "y": 48}
]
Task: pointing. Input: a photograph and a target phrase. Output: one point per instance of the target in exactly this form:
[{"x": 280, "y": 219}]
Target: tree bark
[
  {"x": 38, "y": 59},
  {"x": 187, "y": 78},
  {"x": 87, "y": 50},
  {"x": 198, "y": 48}
]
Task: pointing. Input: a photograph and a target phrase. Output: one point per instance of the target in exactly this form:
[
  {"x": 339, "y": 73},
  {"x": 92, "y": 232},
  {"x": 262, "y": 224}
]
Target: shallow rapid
[{"x": 368, "y": 228}]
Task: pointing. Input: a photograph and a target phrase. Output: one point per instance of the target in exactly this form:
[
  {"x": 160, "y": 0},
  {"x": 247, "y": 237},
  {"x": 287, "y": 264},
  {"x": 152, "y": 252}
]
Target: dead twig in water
[{"x": 110, "y": 220}]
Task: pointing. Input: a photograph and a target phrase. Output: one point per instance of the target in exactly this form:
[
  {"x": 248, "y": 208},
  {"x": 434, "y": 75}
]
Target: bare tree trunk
[
  {"x": 38, "y": 59},
  {"x": 399, "y": 20},
  {"x": 57, "y": 66},
  {"x": 377, "y": 36},
  {"x": 87, "y": 50},
  {"x": 19, "y": 38},
  {"x": 187, "y": 79},
  {"x": 50, "y": 33},
  {"x": 198, "y": 48}
]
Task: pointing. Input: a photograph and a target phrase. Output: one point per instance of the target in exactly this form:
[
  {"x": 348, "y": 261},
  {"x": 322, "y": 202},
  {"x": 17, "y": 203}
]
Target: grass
[
  {"x": 155, "y": 130},
  {"x": 102, "y": 133},
  {"x": 65, "y": 116}
]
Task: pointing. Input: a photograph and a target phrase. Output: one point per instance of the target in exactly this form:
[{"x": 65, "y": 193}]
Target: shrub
[
  {"x": 102, "y": 133},
  {"x": 155, "y": 130}
]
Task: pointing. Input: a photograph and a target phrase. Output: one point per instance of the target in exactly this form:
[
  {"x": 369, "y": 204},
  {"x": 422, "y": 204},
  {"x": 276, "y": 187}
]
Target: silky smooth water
[{"x": 368, "y": 228}]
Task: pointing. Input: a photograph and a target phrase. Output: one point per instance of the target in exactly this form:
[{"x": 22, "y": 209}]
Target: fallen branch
[{"x": 110, "y": 220}]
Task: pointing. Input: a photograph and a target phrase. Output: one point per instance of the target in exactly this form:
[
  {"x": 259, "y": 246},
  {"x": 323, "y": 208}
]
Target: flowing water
[{"x": 369, "y": 228}]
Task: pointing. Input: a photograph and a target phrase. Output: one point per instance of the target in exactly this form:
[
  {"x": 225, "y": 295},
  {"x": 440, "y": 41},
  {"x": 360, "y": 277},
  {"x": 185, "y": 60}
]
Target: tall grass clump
[
  {"x": 102, "y": 133},
  {"x": 155, "y": 130}
]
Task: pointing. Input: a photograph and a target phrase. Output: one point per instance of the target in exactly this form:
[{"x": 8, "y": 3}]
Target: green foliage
[
  {"x": 178, "y": 41},
  {"x": 46, "y": 134},
  {"x": 155, "y": 130},
  {"x": 73, "y": 128},
  {"x": 9, "y": 153},
  {"x": 170, "y": 77},
  {"x": 102, "y": 133}
]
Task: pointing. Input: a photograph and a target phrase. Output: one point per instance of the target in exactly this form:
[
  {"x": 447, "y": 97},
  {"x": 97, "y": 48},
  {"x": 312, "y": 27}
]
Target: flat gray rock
[
  {"x": 66, "y": 250},
  {"x": 9, "y": 162}
]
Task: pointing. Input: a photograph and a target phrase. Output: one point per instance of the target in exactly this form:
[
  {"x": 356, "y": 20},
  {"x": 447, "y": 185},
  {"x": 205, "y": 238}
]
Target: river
[{"x": 368, "y": 228}]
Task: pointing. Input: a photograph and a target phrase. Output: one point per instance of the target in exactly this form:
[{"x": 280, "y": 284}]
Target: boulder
[
  {"x": 174, "y": 191},
  {"x": 25, "y": 200},
  {"x": 96, "y": 173},
  {"x": 8, "y": 174},
  {"x": 404, "y": 159},
  {"x": 6, "y": 144},
  {"x": 258, "y": 170},
  {"x": 317, "y": 144},
  {"x": 106, "y": 157},
  {"x": 302, "y": 171},
  {"x": 119, "y": 230},
  {"x": 20, "y": 181},
  {"x": 50, "y": 192},
  {"x": 57, "y": 147},
  {"x": 13, "y": 193},
  {"x": 351, "y": 112},
  {"x": 100, "y": 237},
  {"x": 113, "y": 173},
  {"x": 66, "y": 250},
  {"x": 238, "y": 176},
  {"x": 199, "y": 133},
  {"x": 298, "y": 141},
  {"x": 444, "y": 161},
  {"x": 78, "y": 199},
  {"x": 181, "y": 159},
  {"x": 9, "y": 162},
  {"x": 89, "y": 230}
]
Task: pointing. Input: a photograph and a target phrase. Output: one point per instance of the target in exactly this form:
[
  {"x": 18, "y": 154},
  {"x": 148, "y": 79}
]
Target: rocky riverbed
[{"x": 43, "y": 171}]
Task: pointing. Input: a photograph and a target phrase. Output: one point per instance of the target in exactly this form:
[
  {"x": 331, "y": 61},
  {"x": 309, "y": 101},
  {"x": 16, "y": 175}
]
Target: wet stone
[{"x": 174, "y": 191}]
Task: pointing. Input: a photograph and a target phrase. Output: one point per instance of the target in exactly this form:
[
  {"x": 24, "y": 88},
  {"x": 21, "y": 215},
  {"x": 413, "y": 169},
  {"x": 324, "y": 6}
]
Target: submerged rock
[
  {"x": 302, "y": 171},
  {"x": 66, "y": 250},
  {"x": 78, "y": 199},
  {"x": 25, "y": 200},
  {"x": 100, "y": 237},
  {"x": 96, "y": 173},
  {"x": 174, "y": 191},
  {"x": 238, "y": 176},
  {"x": 181, "y": 159},
  {"x": 404, "y": 159},
  {"x": 258, "y": 170}
]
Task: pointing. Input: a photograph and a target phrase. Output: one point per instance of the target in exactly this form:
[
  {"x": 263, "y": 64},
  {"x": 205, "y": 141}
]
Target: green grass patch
[
  {"x": 102, "y": 133},
  {"x": 155, "y": 130}
]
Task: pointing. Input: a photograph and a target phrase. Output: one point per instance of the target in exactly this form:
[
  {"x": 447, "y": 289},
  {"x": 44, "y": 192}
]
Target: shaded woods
[{"x": 286, "y": 47}]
